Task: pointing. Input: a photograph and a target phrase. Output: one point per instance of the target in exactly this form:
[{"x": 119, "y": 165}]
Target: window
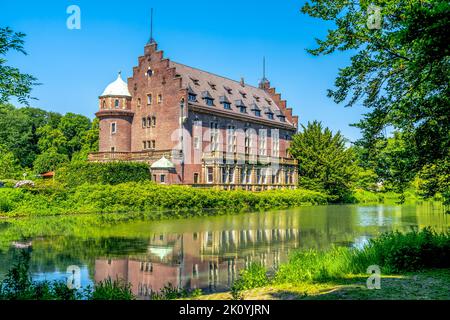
[
  {"x": 214, "y": 136},
  {"x": 263, "y": 142},
  {"x": 243, "y": 176},
  {"x": 144, "y": 122},
  {"x": 210, "y": 174},
  {"x": 139, "y": 102},
  {"x": 270, "y": 116},
  {"x": 196, "y": 143},
  {"x": 258, "y": 113},
  {"x": 153, "y": 122},
  {"x": 154, "y": 177},
  {"x": 149, "y": 99},
  {"x": 149, "y": 145},
  {"x": 275, "y": 143},
  {"x": 248, "y": 141},
  {"x": 163, "y": 178},
  {"x": 113, "y": 128},
  {"x": 196, "y": 178},
  {"x": 104, "y": 105},
  {"x": 209, "y": 102},
  {"x": 149, "y": 72},
  {"x": 152, "y": 144},
  {"x": 192, "y": 97},
  {"x": 227, "y": 105},
  {"x": 249, "y": 176},
  {"x": 258, "y": 176},
  {"x": 116, "y": 103},
  {"x": 228, "y": 89},
  {"x": 231, "y": 139},
  {"x": 243, "y": 109},
  {"x": 113, "y": 149},
  {"x": 228, "y": 175},
  {"x": 160, "y": 98}
]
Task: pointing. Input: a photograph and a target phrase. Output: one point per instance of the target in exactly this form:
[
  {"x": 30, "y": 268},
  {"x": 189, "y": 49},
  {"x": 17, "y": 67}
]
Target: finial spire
[
  {"x": 264, "y": 68},
  {"x": 151, "y": 28},
  {"x": 264, "y": 82}
]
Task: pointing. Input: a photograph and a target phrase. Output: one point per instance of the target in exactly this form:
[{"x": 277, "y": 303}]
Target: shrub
[
  {"x": 111, "y": 290},
  {"x": 79, "y": 172},
  {"x": 254, "y": 276}
]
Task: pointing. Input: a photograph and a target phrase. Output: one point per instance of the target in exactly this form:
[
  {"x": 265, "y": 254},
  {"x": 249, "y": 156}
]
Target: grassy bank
[
  {"x": 161, "y": 201},
  {"x": 341, "y": 272}
]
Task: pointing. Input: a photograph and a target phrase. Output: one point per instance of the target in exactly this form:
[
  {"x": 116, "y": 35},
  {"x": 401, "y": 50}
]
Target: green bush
[
  {"x": 155, "y": 201},
  {"x": 412, "y": 251},
  {"x": 79, "y": 172},
  {"x": 254, "y": 276},
  {"x": 111, "y": 290}
]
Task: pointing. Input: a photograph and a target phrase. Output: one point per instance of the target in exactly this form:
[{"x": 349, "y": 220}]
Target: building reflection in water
[{"x": 207, "y": 260}]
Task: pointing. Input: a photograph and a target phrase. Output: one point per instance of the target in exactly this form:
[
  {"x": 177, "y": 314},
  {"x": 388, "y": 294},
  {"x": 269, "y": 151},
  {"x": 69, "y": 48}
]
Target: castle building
[{"x": 196, "y": 128}]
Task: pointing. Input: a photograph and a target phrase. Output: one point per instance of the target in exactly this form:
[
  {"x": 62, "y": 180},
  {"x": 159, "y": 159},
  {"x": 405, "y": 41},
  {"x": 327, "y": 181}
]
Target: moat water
[{"x": 205, "y": 253}]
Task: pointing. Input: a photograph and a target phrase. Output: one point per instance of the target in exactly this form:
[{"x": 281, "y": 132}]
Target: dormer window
[
  {"x": 257, "y": 113},
  {"x": 192, "y": 97},
  {"x": 212, "y": 85},
  {"x": 256, "y": 110},
  {"x": 269, "y": 113},
  {"x": 209, "y": 100},
  {"x": 195, "y": 81},
  {"x": 282, "y": 118},
  {"x": 228, "y": 89},
  {"x": 226, "y": 103},
  {"x": 241, "y": 106}
]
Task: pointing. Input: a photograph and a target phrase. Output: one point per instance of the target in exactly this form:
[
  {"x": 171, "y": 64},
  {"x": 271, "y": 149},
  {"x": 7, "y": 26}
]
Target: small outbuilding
[{"x": 163, "y": 171}]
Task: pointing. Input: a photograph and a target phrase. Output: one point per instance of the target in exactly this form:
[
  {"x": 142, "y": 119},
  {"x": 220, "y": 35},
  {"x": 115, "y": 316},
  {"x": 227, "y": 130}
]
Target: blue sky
[{"x": 224, "y": 37}]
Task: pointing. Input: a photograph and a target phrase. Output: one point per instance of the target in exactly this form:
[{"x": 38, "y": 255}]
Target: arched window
[
  {"x": 104, "y": 104},
  {"x": 149, "y": 99},
  {"x": 149, "y": 72},
  {"x": 139, "y": 102},
  {"x": 116, "y": 103}
]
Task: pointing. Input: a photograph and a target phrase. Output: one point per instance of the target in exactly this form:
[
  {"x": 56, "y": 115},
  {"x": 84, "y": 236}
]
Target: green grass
[{"x": 394, "y": 253}]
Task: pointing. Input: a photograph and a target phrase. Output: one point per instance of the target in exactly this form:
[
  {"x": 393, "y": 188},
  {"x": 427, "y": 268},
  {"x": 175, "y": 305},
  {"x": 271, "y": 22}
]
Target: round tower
[{"x": 115, "y": 117}]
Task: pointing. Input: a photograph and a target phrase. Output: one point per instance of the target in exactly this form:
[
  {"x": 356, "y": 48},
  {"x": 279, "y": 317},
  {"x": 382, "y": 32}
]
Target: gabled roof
[
  {"x": 233, "y": 89},
  {"x": 163, "y": 163}
]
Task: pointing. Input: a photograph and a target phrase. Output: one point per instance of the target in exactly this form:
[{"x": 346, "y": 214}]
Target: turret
[{"x": 115, "y": 117}]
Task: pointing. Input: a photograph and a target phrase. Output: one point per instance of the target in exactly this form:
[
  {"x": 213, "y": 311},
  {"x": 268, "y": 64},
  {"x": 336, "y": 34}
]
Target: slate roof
[{"x": 206, "y": 84}]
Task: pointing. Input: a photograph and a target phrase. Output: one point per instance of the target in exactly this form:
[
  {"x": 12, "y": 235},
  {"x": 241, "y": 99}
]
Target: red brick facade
[{"x": 233, "y": 134}]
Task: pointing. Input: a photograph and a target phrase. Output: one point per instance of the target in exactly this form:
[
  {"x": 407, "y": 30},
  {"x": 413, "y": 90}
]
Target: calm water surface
[{"x": 204, "y": 253}]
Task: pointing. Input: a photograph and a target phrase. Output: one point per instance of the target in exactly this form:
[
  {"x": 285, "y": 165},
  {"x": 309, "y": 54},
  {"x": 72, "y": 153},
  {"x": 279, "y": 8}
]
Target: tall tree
[
  {"x": 400, "y": 71},
  {"x": 13, "y": 83},
  {"x": 325, "y": 163}
]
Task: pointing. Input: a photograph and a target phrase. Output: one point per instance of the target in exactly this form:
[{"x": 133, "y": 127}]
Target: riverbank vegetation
[
  {"x": 395, "y": 254},
  {"x": 146, "y": 197}
]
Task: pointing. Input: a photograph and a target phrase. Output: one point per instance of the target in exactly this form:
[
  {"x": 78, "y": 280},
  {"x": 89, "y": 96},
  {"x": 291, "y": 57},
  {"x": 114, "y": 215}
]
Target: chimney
[{"x": 242, "y": 82}]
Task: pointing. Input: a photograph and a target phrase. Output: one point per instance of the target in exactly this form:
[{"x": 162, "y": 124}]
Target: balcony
[
  {"x": 140, "y": 156},
  {"x": 247, "y": 158}
]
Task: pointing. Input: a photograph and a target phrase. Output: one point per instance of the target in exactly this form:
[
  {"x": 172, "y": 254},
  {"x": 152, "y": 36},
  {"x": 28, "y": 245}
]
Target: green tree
[
  {"x": 325, "y": 163},
  {"x": 435, "y": 178},
  {"x": 9, "y": 166},
  {"x": 396, "y": 162},
  {"x": 13, "y": 83},
  {"x": 74, "y": 127},
  {"x": 49, "y": 160},
  {"x": 51, "y": 138},
  {"x": 400, "y": 72}
]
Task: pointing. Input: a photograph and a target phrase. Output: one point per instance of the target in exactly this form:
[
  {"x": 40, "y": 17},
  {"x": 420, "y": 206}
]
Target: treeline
[
  {"x": 37, "y": 141},
  {"x": 329, "y": 163}
]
